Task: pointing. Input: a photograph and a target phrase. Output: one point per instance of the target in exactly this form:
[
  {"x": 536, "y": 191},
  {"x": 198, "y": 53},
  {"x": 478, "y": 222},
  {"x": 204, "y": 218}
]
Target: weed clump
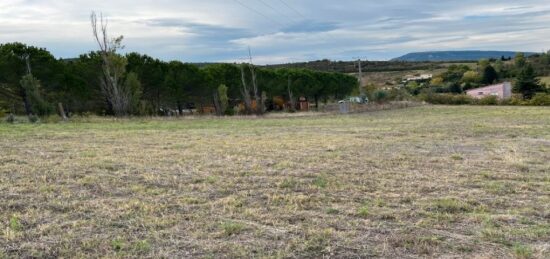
[
  {"x": 451, "y": 205},
  {"x": 232, "y": 228},
  {"x": 363, "y": 211}
]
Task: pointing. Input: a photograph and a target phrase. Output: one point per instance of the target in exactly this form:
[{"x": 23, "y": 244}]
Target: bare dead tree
[
  {"x": 245, "y": 91},
  {"x": 257, "y": 98},
  {"x": 113, "y": 67}
]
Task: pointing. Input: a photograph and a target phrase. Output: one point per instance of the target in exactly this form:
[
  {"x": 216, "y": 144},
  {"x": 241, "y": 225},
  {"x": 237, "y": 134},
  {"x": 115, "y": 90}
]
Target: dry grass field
[{"x": 430, "y": 181}]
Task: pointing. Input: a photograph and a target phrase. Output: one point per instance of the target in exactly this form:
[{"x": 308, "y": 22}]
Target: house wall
[{"x": 501, "y": 91}]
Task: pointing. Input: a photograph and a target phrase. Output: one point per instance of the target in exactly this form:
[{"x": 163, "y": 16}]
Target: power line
[
  {"x": 293, "y": 9},
  {"x": 259, "y": 13},
  {"x": 324, "y": 35},
  {"x": 274, "y": 9}
]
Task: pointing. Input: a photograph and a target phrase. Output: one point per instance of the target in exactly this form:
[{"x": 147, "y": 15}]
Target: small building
[{"x": 501, "y": 91}]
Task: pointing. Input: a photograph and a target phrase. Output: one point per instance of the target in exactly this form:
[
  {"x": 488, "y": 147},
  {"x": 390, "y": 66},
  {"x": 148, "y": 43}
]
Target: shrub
[
  {"x": 33, "y": 118},
  {"x": 489, "y": 100},
  {"x": 540, "y": 99},
  {"x": 10, "y": 118},
  {"x": 380, "y": 96},
  {"x": 513, "y": 101},
  {"x": 452, "y": 99},
  {"x": 396, "y": 94},
  {"x": 33, "y": 91}
]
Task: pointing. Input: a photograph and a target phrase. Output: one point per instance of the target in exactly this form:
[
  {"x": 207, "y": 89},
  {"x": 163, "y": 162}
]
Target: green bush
[
  {"x": 489, "y": 100},
  {"x": 540, "y": 99},
  {"x": 380, "y": 96},
  {"x": 33, "y": 118},
  {"x": 513, "y": 101},
  {"x": 397, "y": 94}
]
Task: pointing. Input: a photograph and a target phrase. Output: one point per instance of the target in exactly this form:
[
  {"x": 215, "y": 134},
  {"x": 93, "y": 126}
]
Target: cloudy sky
[{"x": 280, "y": 30}]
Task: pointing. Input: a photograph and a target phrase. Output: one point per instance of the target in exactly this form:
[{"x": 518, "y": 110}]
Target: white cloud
[{"x": 220, "y": 30}]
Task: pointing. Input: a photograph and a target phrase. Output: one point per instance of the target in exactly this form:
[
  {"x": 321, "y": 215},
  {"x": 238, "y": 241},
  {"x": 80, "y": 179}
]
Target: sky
[{"x": 280, "y": 31}]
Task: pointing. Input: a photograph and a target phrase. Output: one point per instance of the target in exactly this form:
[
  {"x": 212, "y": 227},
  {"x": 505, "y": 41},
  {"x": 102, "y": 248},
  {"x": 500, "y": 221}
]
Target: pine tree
[
  {"x": 489, "y": 75},
  {"x": 527, "y": 83}
]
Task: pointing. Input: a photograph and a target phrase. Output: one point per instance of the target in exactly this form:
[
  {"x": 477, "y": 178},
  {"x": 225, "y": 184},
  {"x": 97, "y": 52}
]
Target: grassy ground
[{"x": 427, "y": 181}]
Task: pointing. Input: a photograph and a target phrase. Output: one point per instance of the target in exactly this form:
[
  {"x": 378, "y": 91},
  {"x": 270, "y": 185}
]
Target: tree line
[{"x": 104, "y": 82}]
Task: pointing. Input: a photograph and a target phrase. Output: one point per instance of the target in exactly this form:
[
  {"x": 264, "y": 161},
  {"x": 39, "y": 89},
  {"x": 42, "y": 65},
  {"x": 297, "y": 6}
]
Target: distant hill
[
  {"x": 468, "y": 55},
  {"x": 368, "y": 66}
]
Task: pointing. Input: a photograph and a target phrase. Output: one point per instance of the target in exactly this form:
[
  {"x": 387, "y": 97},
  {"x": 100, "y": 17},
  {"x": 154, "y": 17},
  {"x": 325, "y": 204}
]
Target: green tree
[
  {"x": 489, "y": 75},
  {"x": 527, "y": 83},
  {"x": 224, "y": 100},
  {"x": 33, "y": 96},
  {"x": 471, "y": 77},
  {"x": 14, "y": 58},
  {"x": 520, "y": 61},
  {"x": 133, "y": 87}
]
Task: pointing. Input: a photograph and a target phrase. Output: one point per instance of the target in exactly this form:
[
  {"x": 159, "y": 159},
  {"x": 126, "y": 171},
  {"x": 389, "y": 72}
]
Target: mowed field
[{"x": 431, "y": 181}]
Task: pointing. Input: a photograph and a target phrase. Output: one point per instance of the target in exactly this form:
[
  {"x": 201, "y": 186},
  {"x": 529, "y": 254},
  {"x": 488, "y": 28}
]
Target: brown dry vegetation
[{"x": 423, "y": 182}]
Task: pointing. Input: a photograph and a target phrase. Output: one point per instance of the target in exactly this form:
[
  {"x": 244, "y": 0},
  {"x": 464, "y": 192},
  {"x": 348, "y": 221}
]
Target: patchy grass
[
  {"x": 431, "y": 181},
  {"x": 232, "y": 228}
]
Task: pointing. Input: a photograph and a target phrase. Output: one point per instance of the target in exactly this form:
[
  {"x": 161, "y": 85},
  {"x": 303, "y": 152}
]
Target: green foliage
[
  {"x": 450, "y": 205},
  {"x": 33, "y": 118},
  {"x": 224, "y": 100},
  {"x": 452, "y": 99},
  {"x": 398, "y": 94},
  {"x": 33, "y": 96},
  {"x": 488, "y": 100},
  {"x": 471, "y": 77},
  {"x": 363, "y": 211},
  {"x": 380, "y": 96},
  {"x": 133, "y": 87},
  {"x": 520, "y": 61},
  {"x": 15, "y": 223},
  {"x": 540, "y": 99},
  {"x": 454, "y": 88},
  {"x": 522, "y": 251},
  {"x": 117, "y": 244},
  {"x": 11, "y": 118},
  {"x": 527, "y": 83},
  {"x": 142, "y": 246},
  {"x": 320, "y": 182},
  {"x": 489, "y": 75},
  {"x": 232, "y": 228},
  {"x": 455, "y": 73}
]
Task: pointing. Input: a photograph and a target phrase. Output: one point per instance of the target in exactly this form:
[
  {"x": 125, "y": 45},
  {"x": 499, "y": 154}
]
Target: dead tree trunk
[
  {"x": 245, "y": 92},
  {"x": 111, "y": 85},
  {"x": 259, "y": 103},
  {"x": 62, "y": 111}
]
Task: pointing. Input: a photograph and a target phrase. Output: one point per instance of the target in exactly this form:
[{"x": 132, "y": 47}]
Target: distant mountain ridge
[{"x": 465, "y": 55}]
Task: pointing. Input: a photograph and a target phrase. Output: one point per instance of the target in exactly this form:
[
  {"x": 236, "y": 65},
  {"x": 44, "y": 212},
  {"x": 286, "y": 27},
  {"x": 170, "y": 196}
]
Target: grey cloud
[{"x": 213, "y": 30}]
